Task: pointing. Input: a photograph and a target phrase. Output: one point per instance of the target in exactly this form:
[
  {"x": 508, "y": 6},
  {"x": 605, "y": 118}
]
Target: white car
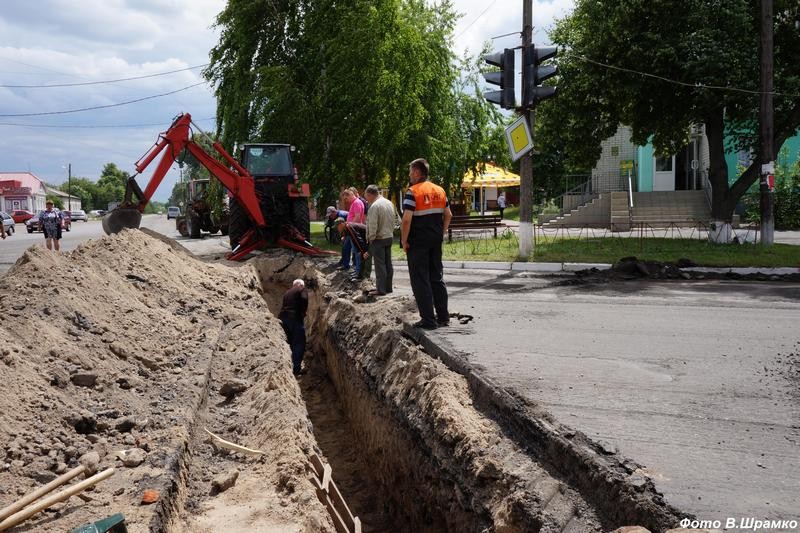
[
  {"x": 173, "y": 212},
  {"x": 8, "y": 223}
]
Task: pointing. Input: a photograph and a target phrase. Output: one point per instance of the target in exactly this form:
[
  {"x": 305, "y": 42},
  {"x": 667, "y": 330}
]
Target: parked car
[
  {"x": 78, "y": 214},
  {"x": 21, "y": 215},
  {"x": 33, "y": 223},
  {"x": 173, "y": 212},
  {"x": 97, "y": 212},
  {"x": 8, "y": 223}
]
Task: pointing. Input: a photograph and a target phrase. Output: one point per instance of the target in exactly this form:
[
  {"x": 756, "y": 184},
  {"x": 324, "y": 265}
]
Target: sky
[{"x": 51, "y": 42}]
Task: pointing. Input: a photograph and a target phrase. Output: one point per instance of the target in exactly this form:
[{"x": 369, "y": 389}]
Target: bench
[{"x": 469, "y": 222}]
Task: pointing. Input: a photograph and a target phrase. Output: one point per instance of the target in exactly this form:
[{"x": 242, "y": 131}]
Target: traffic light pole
[
  {"x": 526, "y": 163},
  {"x": 767, "y": 127}
]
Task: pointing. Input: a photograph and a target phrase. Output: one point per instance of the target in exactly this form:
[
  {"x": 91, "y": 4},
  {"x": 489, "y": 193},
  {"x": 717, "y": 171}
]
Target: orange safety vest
[{"x": 429, "y": 199}]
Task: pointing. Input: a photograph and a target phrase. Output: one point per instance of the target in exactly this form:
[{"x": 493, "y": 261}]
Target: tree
[
  {"x": 709, "y": 42},
  {"x": 361, "y": 87}
]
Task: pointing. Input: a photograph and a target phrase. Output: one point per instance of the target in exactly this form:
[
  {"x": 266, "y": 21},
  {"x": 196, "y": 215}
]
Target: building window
[{"x": 664, "y": 164}]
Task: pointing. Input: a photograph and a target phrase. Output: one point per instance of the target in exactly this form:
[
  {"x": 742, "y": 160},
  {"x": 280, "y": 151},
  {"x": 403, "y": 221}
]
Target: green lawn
[{"x": 608, "y": 250}]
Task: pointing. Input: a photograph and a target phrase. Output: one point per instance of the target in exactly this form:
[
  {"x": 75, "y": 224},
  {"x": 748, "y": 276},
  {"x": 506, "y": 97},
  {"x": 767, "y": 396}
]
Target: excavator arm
[
  {"x": 236, "y": 179},
  {"x": 172, "y": 142}
]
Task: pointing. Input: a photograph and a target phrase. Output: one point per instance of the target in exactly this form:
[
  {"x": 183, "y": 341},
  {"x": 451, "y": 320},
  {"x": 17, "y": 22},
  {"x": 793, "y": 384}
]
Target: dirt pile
[
  {"x": 125, "y": 344},
  {"x": 631, "y": 268}
]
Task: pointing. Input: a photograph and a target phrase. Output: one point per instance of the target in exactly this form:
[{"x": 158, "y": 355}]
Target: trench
[
  {"x": 410, "y": 445},
  {"x": 408, "y": 449},
  {"x": 387, "y": 477}
]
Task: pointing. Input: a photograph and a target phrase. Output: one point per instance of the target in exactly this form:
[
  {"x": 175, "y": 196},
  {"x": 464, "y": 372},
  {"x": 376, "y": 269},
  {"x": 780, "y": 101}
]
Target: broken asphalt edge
[
  {"x": 574, "y": 267},
  {"x": 606, "y": 479}
]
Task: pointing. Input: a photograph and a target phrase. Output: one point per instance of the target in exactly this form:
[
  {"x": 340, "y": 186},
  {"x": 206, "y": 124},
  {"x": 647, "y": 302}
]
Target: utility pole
[
  {"x": 526, "y": 163},
  {"x": 767, "y": 127},
  {"x": 69, "y": 187}
]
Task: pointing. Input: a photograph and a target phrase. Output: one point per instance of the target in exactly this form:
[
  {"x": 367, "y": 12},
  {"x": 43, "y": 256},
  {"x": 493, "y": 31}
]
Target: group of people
[{"x": 367, "y": 229}]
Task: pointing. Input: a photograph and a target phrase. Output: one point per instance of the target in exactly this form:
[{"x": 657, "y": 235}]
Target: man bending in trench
[{"x": 292, "y": 315}]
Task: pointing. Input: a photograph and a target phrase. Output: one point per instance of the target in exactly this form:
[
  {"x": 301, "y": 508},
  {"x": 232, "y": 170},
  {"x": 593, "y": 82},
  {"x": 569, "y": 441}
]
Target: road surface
[{"x": 699, "y": 382}]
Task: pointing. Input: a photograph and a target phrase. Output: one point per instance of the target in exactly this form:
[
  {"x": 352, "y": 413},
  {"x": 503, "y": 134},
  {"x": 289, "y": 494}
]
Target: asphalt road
[{"x": 698, "y": 382}]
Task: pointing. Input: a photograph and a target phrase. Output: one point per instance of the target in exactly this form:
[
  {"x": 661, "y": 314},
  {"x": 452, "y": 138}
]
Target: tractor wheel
[
  {"x": 223, "y": 229},
  {"x": 300, "y": 217},
  {"x": 182, "y": 229},
  {"x": 193, "y": 225},
  {"x": 238, "y": 222}
]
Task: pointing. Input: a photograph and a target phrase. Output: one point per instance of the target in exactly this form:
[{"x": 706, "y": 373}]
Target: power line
[
  {"x": 101, "y": 106},
  {"x": 695, "y": 85},
  {"x": 100, "y": 82},
  {"x": 96, "y": 126},
  {"x": 476, "y": 19}
]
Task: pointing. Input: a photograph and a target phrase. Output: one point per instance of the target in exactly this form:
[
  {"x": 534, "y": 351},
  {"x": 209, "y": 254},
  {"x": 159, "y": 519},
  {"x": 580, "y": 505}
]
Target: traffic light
[
  {"x": 504, "y": 78},
  {"x": 535, "y": 73}
]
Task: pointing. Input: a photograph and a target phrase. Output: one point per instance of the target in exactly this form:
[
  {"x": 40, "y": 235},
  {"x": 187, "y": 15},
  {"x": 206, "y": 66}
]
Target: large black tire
[
  {"x": 238, "y": 222},
  {"x": 300, "y": 217},
  {"x": 193, "y": 225}
]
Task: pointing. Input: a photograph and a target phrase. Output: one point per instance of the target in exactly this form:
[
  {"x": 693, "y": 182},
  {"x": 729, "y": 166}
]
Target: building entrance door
[{"x": 664, "y": 173}]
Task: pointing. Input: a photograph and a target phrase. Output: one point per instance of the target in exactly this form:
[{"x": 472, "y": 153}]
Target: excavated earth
[{"x": 130, "y": 344}]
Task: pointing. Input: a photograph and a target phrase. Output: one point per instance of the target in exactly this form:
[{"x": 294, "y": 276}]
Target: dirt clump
[{"x": 121, "y": 348}]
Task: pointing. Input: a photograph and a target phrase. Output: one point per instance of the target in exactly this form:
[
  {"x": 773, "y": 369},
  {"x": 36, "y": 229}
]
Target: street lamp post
[{"x": 69, "y": 187}]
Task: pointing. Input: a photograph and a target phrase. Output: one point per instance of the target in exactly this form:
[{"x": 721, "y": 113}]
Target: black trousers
[
  {"x": 427, "y": 282},
  {"x": 296, "y": 335}
]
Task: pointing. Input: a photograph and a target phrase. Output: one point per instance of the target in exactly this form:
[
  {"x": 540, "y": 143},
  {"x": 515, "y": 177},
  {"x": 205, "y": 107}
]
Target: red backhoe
[{"x": 268, "y": 205}]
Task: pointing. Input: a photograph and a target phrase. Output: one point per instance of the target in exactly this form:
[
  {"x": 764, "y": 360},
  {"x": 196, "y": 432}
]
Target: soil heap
[{"x": 125, "y": 344}]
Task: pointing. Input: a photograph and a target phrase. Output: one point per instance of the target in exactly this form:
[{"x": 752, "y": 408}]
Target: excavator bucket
[{"x": 121, "y": 218}]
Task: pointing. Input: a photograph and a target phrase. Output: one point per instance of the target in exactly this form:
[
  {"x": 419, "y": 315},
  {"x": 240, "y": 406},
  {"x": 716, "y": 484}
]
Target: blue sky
[{"x": 44, "y": 42}]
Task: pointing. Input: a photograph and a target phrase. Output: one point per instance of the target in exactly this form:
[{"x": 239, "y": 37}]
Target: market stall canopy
[{"x": 490, "y": 176}]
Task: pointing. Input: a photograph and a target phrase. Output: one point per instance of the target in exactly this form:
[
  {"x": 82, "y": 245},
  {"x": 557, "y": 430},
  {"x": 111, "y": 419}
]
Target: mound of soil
[{"x": 125, "y": 344}]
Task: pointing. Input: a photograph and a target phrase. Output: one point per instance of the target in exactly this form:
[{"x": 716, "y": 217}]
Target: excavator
[{"x": 268, "y": 205}]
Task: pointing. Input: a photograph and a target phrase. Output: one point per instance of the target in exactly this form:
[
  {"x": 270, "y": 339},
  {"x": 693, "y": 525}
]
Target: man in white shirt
[{"x": 381, "y": 221}]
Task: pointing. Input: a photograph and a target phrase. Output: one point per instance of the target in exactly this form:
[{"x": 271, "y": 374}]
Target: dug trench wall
[{"x": 450, "y": 451}]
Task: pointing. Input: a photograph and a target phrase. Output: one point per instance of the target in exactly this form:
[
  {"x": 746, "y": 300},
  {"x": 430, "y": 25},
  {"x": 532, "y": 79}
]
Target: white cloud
[{"x": 68, "y": 41}]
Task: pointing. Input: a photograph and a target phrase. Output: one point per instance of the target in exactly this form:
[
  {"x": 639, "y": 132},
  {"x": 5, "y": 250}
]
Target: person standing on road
[
  {"x": 292, "y": 315},
  {"x": 426, "y": 216},
  {"x": 2, "y": 230},
  {"x": 501, "y": 203},
  {"x": 381, "y": 221},
  {"x": 50, "y": 221}
]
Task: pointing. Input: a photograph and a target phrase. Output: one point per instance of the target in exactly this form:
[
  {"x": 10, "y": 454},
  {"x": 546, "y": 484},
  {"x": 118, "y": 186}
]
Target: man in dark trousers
[
  {"x": 426, "y": 216},
  {"x": 292, "y": 315}
]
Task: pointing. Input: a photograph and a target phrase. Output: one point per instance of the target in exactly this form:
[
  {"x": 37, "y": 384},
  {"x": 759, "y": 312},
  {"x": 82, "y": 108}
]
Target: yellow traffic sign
[{"x": 519, "y": 138}]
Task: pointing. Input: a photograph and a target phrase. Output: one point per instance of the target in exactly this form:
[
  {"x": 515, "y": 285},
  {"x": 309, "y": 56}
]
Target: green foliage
[
  {"x": 361, "y": 87},
  {"x": 178, "y": 196},
  {"x": 711, "y": 42},
  {"x": 110, "y": 187}
]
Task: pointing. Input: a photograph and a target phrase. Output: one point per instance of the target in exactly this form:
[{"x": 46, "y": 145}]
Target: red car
[{"x": 21, "y": 215}]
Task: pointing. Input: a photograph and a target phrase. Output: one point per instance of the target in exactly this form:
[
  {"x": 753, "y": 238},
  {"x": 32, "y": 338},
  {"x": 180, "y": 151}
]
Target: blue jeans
[{"x": 347, "y": 251}]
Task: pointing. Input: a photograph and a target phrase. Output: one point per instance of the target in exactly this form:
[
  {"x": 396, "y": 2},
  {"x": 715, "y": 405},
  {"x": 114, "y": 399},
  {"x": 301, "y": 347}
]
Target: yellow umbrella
[{"x": 489, "y": 176}]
